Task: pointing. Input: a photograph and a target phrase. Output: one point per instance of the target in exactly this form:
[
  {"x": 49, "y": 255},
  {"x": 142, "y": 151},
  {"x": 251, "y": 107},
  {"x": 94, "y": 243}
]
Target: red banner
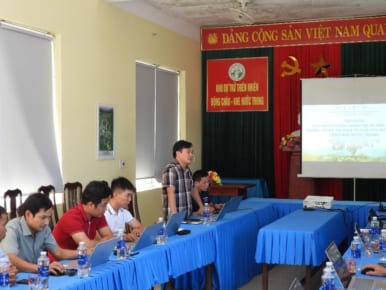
[
  {"x": 237, "y": 84},
  {"x": 296, "y": 33}
]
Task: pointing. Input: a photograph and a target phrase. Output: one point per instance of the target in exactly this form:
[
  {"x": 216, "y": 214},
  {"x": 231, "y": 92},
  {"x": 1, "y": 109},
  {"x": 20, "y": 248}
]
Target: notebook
[
  {"x": 174, "y": 222},
  {"x": 346, "y": 280},
  {"x": 147, "y": 238},
  {"x": 229, "y": 206},
  {"x": 99, "y": 255}
]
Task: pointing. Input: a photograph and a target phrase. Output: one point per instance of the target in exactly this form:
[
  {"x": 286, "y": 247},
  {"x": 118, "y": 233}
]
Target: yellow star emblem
[{"x": 321, "y": 67}]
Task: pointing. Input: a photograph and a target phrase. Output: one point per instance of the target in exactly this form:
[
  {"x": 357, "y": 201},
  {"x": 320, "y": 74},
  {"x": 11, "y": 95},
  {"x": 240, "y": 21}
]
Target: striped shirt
[{"x": 174, "y": 175}]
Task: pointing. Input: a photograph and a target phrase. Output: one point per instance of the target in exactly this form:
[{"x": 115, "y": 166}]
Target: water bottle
[
  {"x": 328, "y": 282},
  {"x": 374, "y": 234},
  {"x": 324, "y": 282},
  {"x": 365, "y": 233},
  {"x": 382, "y": 246},
  {"x": 83, "y": 265},
  {"x": 162, "y": 233},
  {"x": 121, "y": 245},
  {"x": 338, "y": 285},
  {"x": 356, "y": 248},
  {"x": 206, "y": 214},
  {"x": 43, "y": 270},
  {"x": 356, "y": 252},
  {"x": 4, "y": 273}
]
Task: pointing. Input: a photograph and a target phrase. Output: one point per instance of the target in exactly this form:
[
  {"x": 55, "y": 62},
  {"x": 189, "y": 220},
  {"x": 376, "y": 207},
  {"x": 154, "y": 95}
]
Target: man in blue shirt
[{"x": 29, "y": 234}]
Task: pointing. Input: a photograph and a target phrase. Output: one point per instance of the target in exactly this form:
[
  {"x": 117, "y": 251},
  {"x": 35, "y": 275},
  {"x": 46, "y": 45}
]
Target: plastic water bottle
[
  {"x": 365, "y": 233},
  {"x": 43, "y": 270},
  {"x": 83, "y": 265},
  {"x": 121, "y": 245},
  {"x": 4, "y": 273},
  {"x": 356, "y": 253},
  {"x": 162, "y": 233},
  {"x": 206, "y": 214},
  {"x": 324, "y": 282},
  {"x": 374, "y": 234},
  {"x": 356, "y": 248},
  {"x": 328, "y": 282},
  {"x": 382, "y": 246},
  {"x": 337, "y": 284}
]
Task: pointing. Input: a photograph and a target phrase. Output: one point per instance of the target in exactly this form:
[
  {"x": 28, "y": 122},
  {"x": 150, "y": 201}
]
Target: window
[
  {"x": 29, "y": 155},
  {"x": 157, "y": 121}
]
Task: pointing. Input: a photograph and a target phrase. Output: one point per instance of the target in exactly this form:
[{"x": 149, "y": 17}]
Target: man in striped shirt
[{"x": 177, "y": 182}]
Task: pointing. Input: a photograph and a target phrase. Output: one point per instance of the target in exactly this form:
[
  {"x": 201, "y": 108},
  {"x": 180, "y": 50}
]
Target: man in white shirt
[{"x": 117, "y": 215}]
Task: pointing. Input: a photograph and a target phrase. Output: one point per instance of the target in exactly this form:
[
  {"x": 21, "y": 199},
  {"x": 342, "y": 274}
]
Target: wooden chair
[
  {"x": 134, "y": 210},
  {"x": 11, "y": 196},
  {"x": 48, "y": 190},
  {"x": 133, "y": 207},
  {"x": 71, "y": 195}
]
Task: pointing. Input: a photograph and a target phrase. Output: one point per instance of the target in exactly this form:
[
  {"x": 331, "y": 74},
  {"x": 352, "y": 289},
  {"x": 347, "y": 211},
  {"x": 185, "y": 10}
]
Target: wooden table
[{"x": 230, "y": 189}]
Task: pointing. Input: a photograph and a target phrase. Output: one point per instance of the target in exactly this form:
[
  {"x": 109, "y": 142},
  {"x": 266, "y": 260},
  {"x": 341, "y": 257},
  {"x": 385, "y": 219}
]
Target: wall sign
[{"x": 237, "y": 84}]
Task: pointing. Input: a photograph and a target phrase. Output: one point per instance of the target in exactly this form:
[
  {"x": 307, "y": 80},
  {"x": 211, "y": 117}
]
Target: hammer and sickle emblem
[{"x": 292, "y": 69}]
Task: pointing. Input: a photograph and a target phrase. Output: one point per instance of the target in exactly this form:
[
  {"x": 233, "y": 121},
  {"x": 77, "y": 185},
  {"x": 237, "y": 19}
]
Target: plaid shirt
[{"x": 181, "y": 180}]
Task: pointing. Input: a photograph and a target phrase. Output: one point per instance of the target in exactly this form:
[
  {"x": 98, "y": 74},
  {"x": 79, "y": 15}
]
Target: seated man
[
  {"x": 86, "y": 220},
  {"x": 29, "y": 234},
  {"x": 3, "y": 231},
  {"x": 117, "y": 215},
  {"x": 201, "y": 189}
]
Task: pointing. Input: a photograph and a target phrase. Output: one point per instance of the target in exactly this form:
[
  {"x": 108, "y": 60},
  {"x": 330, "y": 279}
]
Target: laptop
[
  {"x": 174, "y": 222},
  {"x": 346, "y": 280},
  {"x": 147, "y": 238},
  {"x": 231, "y": 205},
  {"x": 101, "y": 254}
]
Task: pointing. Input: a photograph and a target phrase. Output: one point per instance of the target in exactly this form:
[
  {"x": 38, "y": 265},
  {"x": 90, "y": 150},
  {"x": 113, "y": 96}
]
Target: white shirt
[{"x": 117, "y": 219}]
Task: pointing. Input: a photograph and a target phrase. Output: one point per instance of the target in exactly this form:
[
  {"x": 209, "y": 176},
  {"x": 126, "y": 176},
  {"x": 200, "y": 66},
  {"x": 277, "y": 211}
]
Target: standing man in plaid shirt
[{"x": 177, "y": 182}]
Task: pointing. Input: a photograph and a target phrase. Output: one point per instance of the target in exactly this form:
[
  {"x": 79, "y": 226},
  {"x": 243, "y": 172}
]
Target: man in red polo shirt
[{"x": 83, "y": 222}]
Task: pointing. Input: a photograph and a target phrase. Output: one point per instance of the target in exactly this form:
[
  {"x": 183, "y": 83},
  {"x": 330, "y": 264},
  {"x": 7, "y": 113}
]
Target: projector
[{"x": 315, "y": 201}]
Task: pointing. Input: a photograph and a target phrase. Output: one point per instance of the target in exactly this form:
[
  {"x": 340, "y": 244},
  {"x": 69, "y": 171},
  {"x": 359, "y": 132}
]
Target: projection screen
[{"x": 343, "y": 127}]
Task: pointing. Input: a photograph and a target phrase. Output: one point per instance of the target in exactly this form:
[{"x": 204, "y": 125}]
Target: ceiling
[{"x": 174, "y": 14}]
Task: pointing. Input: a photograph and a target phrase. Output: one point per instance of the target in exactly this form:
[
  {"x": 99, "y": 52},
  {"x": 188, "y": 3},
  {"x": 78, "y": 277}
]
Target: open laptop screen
[{"x": 339, "y": 264}]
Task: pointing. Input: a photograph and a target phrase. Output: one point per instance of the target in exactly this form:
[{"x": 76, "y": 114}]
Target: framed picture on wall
[{"x": 105, "y": 132}]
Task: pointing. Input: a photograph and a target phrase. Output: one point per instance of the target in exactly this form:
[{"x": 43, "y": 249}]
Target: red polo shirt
[{"x": 75, "y": 221}]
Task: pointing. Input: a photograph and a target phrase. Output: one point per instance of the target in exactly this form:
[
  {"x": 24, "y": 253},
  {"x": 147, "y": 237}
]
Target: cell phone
[
  {"x": 22, "y": 281},
  {"x": 71, "y": 271}
]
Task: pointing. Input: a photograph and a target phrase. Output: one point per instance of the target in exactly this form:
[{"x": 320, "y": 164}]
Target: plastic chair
[
  {"x": 47, "y": 190},
  {"x": 71, "y": 195},
  {"x": 14, "y": 202}
]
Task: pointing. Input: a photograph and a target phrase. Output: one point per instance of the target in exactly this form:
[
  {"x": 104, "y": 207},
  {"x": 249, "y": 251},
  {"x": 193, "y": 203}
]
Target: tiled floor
[{"x": 281, "y": 277}]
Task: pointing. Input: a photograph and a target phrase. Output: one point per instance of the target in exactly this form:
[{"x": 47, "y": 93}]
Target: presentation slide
[{"x": 344, "y": 132}]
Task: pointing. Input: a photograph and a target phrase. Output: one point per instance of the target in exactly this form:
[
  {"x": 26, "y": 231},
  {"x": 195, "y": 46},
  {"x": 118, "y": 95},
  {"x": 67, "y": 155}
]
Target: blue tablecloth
[
  {"x": 357, "y": 210},
  {"x": 111, "y": 275},
  {"x": 236, "y": 237},
  {"x": 235, "y": 246},
  {"x": 283, "y": 234},
  {"x": 300, "y": 237}
]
